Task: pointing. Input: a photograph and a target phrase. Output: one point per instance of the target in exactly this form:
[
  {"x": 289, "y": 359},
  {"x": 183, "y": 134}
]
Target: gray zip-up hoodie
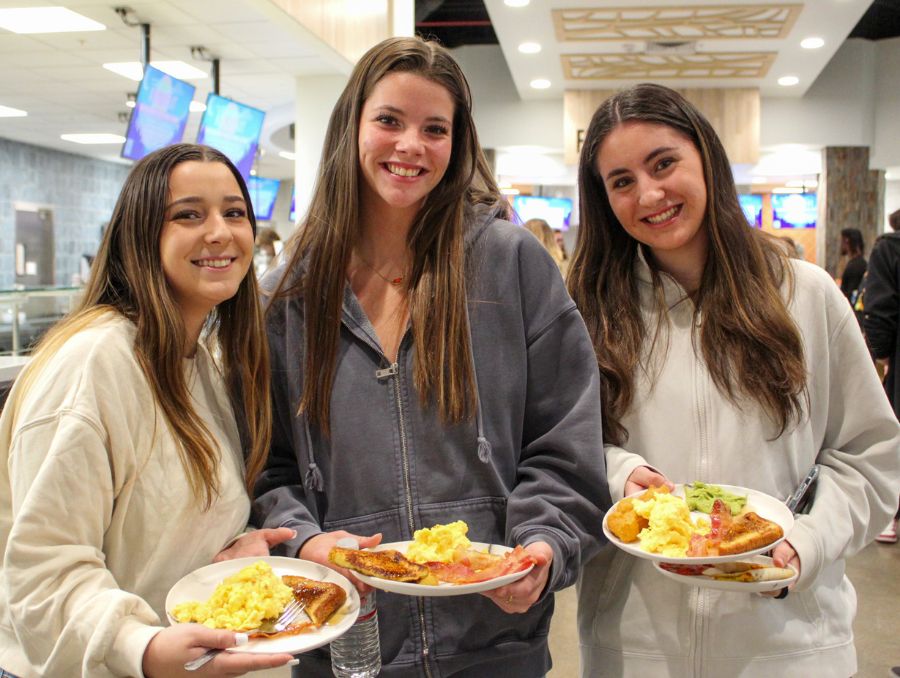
[{"x": 529, "y": 468}]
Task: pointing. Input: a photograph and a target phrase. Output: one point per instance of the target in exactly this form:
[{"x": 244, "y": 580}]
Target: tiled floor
[{"x": 875, "y": 573}]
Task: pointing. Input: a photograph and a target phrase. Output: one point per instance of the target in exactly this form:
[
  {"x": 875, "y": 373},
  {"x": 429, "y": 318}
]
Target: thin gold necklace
[{"x": 391, "y": 281}]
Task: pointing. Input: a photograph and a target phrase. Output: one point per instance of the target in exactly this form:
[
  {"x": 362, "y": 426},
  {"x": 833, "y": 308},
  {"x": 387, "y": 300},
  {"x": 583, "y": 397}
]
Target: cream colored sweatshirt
[{"x": 97, "y": 519}]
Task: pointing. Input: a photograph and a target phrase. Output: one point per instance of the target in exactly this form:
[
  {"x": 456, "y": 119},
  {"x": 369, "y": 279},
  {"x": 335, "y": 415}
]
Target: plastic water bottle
[{"x": 357, "y": 653}]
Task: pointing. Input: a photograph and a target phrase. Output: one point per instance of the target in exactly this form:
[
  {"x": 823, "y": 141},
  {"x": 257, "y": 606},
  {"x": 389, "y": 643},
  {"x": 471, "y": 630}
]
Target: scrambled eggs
[
  {"x": 670, "y": 528},
  {"x": 241, "y": 602},
  {"x": 438, "y": 543}
]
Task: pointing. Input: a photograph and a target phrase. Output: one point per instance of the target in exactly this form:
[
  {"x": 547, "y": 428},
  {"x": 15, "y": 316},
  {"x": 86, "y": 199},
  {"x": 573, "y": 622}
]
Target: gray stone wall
[{"x": 80, "y": 191}]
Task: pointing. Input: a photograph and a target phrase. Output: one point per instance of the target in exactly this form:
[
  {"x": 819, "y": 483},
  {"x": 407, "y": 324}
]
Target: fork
[{"x": 290, "y": 614}]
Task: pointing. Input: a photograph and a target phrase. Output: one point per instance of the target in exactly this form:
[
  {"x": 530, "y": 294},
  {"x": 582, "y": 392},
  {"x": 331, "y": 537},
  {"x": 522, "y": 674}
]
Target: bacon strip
[{"x": 476, "y": 567}]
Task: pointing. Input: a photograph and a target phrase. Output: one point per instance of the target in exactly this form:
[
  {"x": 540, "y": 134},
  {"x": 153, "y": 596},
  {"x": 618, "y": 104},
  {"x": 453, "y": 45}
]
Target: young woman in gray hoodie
[{"x": 428, "y": 366}]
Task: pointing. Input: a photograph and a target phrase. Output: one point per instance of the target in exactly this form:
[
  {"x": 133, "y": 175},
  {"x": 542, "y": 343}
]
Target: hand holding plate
[
  {"x": 168, "y": 650},
  {"x": 784, "y": 555},
  {"x": 518, "y": 597},
  {"x": 255, "y": 543},
  {"x": 643, "y": 477}
]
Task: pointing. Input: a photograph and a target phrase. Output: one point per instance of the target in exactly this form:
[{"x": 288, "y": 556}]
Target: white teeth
[
  {"x": 664, "y": 216},
  {"x": 404, "y": 172},
  {"x": 213, "y": 263}
]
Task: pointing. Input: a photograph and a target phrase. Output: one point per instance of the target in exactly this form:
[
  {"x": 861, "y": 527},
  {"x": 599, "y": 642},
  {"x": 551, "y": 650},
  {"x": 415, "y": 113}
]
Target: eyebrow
[
  {"x": 650, "y": 156},
  {"x": 195, "y": 198},
  {"x": 394, "y": 109}
]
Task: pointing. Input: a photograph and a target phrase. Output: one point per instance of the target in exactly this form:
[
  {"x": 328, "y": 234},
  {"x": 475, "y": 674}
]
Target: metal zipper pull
[{"x": 387, "y": 372}]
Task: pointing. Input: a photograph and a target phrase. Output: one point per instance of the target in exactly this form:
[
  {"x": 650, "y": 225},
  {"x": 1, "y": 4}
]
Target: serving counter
[{"x": 19, "y": 330}]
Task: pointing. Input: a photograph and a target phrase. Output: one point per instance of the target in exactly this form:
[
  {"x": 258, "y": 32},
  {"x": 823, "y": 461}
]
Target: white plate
[
  {"x": 442, "y": 589},
  {"x": 762, "y": 504},
  {"x": 200, "y": 584},
  {"x": 736, "y": 586}
]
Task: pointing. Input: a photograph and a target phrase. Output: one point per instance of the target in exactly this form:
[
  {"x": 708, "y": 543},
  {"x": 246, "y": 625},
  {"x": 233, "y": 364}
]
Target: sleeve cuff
[
  {"x": 806, "y": 543},
  {"x": 126, "y": 657},
  {"x": 619, "y": 465}
]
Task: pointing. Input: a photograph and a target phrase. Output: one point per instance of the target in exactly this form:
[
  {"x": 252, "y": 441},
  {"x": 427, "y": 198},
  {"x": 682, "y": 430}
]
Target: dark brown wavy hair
[
  {"x": 127, "y": 278},
  {"x": 748, "y": 340},
  {"x": 319, "y": 253}
]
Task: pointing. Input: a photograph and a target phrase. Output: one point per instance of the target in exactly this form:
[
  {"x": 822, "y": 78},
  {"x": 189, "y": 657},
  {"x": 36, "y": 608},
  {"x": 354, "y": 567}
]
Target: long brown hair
[
  {"x": 748, "y": 340},
  {"x": 127, "y": 278},
  {"x": 436, "y": 288}
]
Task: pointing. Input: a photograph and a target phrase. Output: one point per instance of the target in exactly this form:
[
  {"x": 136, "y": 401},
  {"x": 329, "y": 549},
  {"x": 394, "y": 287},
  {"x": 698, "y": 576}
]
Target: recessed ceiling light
[
  {"x": 287, "y": 155},
  {"x": 812, "y": 43},
  {"x": 509, "y": 191},
  {"x": 46, "y": 20},
  {"x": 788, "y": 80},
  {"x": 516, "y": 3},
  {"x": 540, "y": 83},
  {"x": 7, "y": 112},
  {"x": 133, "y": 70},
  {"x": 93, "y": 138},
  {"x": 197, "y": 107},
  {"x": 787, "y": 189},
  {"x": 529, "y": 48}
]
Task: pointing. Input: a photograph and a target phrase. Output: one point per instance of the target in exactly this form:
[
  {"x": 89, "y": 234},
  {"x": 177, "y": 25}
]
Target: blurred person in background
[
  {"x": 724, "y": 361},
  {"x": 542, "y": 231},
  {"x": 881, "y": 320},
  {"x": 428, "y": 366},
  {"x": 852, "y": 247},
  {"x": 123, "y": 439},
  {"x": 560, "y": 238}
]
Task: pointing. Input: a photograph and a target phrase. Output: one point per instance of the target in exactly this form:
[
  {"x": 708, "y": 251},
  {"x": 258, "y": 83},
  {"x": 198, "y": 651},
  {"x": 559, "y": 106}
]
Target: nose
[
  {"x": 651, "y": 194},
  {"x": 217, "y": 229},
  {"x": 410, "y": 142}
]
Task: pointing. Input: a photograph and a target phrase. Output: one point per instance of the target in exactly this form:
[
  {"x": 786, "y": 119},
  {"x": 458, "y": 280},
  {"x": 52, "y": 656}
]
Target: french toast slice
[
  {"x": 387, "y": 564},
  {"x": 322, "y": 598},
  {"x": 747, "y": 532}
]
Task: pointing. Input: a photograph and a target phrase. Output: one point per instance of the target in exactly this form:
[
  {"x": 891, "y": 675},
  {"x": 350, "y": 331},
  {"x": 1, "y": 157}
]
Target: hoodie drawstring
[
  {"x": 313, "y": 479},
  {"x": 485, "y": 449}
]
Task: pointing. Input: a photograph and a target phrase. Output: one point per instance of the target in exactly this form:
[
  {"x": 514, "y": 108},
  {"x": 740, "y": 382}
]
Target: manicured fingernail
[
  {"x": 240, "y": 639},
  {"x": 294, "y": 535},
  {"x": 293, "y": 662}
]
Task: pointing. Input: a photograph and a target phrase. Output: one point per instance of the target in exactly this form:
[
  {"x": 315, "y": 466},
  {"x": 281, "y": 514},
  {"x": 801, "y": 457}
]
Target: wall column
[
  {"x": 850, "y": 196},
  {"x": 315, "y": 98}
]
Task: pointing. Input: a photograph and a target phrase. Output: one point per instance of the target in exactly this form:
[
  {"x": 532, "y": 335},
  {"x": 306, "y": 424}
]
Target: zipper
[
  {"x": 702, "y": 380},
  {"x": 394, "y": 371}
]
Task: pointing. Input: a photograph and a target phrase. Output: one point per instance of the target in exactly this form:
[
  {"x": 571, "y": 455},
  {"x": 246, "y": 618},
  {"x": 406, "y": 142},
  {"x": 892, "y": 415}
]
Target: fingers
[
  {"x": 215, "y": 638},
  {"x": 643, "y": 477},
  {"x": 783, "y": 554},
  {"x": 369, "y": 542},
  {"x": 277, "y": 535}
]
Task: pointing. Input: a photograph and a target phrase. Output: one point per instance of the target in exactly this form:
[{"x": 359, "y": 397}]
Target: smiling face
[
  {"x": 206, "y": 244},
  {"x": 653, "y": 176},
  {"x": 405, "y": 141}
]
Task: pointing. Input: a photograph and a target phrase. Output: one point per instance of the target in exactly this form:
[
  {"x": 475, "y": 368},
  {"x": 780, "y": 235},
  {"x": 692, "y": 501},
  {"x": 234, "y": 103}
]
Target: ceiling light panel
[
  {"x": 133, "y": 70},
  {"x": 8, "y": 112},
  {"x": 93, "y": 138},
  {"x": 46, "y": 20}
]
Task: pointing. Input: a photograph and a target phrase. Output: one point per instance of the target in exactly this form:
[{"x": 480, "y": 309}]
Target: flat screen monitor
[
  {"x": 263, "y": 193},
  {"x": 794, "y": 210},
  {"x": 232, "y": 128},
  {"x": 555, "y": 211},
  {"x": 752, "y": 205},
  {"x": 160, "y": 113}
]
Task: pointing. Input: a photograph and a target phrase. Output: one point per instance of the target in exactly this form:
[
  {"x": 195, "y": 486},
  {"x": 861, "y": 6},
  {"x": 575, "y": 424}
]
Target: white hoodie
[{"x": 635, "y": 622}]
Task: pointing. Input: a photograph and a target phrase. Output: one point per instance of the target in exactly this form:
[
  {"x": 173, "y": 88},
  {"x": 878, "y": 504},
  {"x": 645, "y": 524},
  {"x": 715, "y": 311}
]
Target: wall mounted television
[
  {"x": 160, "y": 113},
  {"x": 752, "y": 205},
  {"x": 794, "y": 210},
  {"x": 555, "y": 211},
  {"x": 232, "y": 128},
  {"x": 263, "y": 192}
]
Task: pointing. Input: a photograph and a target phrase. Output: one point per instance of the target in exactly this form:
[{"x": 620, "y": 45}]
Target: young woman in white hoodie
[
  {"x": 122, "y": 464},
  {"x": 723, "y": 361}
]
